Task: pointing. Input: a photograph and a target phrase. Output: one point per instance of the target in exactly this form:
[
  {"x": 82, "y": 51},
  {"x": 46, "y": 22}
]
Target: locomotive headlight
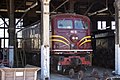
[
  {"x": 76, "y": 38},
  {"x": 72, "y": 31},
  {"x": 75, "y": 32},
  {"x": 73, "y": 37}
]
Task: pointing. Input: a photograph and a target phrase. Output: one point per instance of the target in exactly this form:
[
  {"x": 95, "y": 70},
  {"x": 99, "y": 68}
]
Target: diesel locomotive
[{"x": 70, "y": 41}]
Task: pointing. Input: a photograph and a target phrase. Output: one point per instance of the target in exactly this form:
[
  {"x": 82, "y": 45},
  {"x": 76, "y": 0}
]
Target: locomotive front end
[{"x": 71, "y": 41}]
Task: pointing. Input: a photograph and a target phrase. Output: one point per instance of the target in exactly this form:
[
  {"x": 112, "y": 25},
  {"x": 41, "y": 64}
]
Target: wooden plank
[
  {"x": 29, "y": 74},
  {"x": 29, "y": 78},
  {"x": 9, "y": 74}
]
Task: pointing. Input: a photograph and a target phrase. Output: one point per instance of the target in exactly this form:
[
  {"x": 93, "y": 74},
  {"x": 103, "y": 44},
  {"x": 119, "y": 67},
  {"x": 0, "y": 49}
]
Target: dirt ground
[{"x": 91, "y": 73}]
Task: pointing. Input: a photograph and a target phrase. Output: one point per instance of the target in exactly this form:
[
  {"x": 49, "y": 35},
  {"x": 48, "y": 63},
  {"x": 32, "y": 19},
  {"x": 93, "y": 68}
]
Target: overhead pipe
[
  {"x": 28, "y": 9},
  {"x": 99, "y": 11}
]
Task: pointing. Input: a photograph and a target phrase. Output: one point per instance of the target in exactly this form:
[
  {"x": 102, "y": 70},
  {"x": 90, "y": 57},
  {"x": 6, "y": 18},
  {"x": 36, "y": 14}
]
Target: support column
[
  {"x": 117, "y": 37},
  {"x": 71, "y": 6},
  {"x": 45, "y": 53},
  {"x": 11, "y": 32}
]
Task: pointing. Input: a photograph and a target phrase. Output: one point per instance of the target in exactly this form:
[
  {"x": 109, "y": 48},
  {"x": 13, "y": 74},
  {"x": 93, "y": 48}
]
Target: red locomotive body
[{"x": 71, "y": 41}]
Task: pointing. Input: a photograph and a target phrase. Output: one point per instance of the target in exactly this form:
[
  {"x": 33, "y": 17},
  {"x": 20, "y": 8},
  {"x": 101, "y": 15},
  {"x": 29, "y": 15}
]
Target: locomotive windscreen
[
  {"x": 65, "y": 24},
  {"x": 79, "y": 24}
]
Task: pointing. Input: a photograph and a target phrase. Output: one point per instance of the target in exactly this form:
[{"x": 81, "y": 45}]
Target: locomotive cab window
[
  {"x": 79, "y": 24},
  {"x": 65, "y": 24},
  {"x": 85, "y": 25}
]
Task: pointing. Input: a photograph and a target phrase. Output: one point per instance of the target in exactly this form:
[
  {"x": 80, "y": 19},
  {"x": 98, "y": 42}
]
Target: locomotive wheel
[
  {"x": 71, "y": 73},
  {"x": 80, "y": 75}
]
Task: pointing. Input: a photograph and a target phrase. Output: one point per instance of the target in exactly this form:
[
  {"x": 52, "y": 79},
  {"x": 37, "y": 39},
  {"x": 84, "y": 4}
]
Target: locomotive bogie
[{"x": 63, "y": 62}]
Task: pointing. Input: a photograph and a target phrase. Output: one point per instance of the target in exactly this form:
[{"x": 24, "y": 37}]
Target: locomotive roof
[{"x": 69, "y": 15}]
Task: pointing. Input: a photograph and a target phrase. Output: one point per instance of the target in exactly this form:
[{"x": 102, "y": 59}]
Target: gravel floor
[{"x": 88, "y": 74}]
